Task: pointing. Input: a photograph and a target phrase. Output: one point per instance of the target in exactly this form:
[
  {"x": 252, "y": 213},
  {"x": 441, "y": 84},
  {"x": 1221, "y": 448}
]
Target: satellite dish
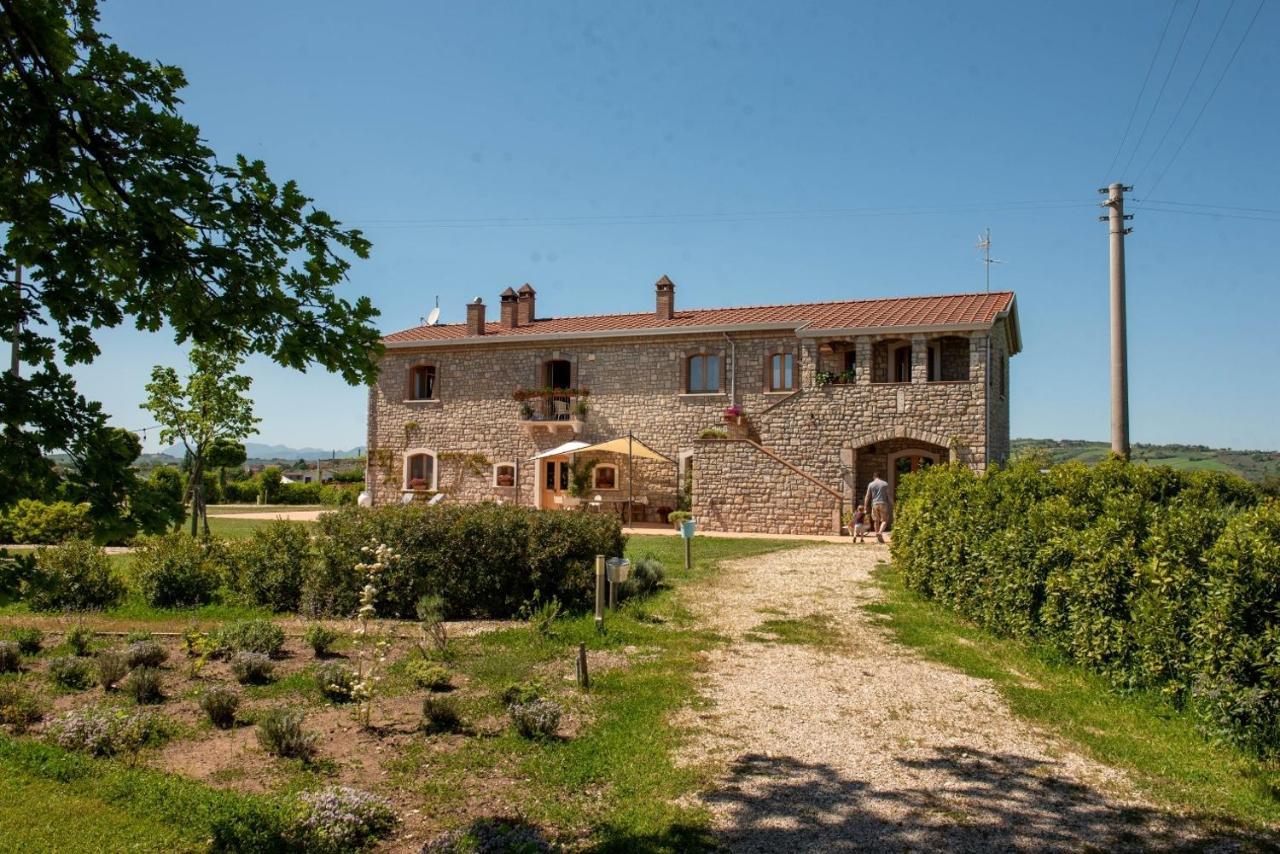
[{"x": 433, "y": 316}]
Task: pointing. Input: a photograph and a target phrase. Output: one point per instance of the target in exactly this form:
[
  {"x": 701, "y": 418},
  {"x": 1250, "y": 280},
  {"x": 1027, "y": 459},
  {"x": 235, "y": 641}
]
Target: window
[
  {"x": 901, "y": 365},
  {"x": 850, "y": 361},
  {"x": 420, "y": 470},
  {"x": 782, "y": 372},
  {"x": 704, "y": 374},
  {"x": 934, "y": 369},
  {"x": 422, "y": 382},
  {"x": 504, "y": 474},
  {"x": 605, "y": 477}
]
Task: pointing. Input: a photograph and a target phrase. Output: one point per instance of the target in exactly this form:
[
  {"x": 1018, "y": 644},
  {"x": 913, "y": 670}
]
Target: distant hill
[
  {"x": 257, "y": 451},
  {"x": 1251, "y": 465}
]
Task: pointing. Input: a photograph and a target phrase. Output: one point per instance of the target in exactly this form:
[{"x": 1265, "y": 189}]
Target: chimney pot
[
  {"x": 509, "y": 304},
  {"x": 666, "y": 293},
  {"x": 475, "y": 317},
  {"x": 524, "y": 307}
]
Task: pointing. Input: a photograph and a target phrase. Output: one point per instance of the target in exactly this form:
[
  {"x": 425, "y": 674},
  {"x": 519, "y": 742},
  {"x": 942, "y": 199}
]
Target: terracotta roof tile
[{"x": 977, "y": 310}]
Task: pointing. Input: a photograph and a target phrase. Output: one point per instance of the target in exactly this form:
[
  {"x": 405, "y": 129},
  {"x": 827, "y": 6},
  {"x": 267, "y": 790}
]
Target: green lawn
[{"x": 1168, "y": 758}]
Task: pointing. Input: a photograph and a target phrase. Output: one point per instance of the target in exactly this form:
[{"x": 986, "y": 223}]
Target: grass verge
[{"x": 1166, "y": 755}]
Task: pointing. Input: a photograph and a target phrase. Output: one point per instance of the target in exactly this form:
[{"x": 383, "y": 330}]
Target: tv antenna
[
  {"x": 433, "y": 315},
  {"x": 984, "y": 243}
]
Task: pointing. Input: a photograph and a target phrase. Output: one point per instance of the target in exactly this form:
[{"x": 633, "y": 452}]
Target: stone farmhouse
[{"x": 765, "y": 418}]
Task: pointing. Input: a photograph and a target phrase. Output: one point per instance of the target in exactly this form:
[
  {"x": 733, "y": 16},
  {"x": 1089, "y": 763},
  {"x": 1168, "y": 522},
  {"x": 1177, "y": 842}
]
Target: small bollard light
[
  {"x": 600, "y": 593},
  {"x": 687, "y": 529},
  {"x": 617, "y": 569}
]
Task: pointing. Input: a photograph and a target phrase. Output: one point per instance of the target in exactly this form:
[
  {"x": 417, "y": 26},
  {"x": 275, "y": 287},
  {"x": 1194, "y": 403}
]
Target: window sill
[
  {"x": 431, "y": 401},
  {"x": 702, "y": 395},
  {"x": 781, "y": 392}
]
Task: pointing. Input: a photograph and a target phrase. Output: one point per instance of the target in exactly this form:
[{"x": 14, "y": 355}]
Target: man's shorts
[{"x": 880, "y": 514}]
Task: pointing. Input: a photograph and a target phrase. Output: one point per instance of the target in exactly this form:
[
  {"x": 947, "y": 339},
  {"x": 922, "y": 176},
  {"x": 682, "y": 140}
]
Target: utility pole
[{"x": 1116, "y": 218}]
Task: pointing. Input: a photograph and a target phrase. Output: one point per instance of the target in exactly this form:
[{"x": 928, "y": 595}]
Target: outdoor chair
[{"x": 560, "y": 409}]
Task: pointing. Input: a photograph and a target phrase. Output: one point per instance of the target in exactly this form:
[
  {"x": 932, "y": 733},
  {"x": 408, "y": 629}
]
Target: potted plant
[
  {"x": 579, "y": 481},
  {"x": 822, "y": 378},
  {"x": 580, "y": 409},
  {"x": 417, "y": 484},
  {"x": 526, "y": 409},
  {"x": 733, "y": 414},
  {"x": 678, "y": 517},
  {"x": 848, "y": 377}
]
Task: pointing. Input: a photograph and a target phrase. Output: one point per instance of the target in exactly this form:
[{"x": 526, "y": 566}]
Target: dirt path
[{"x": 862, "y": 745}]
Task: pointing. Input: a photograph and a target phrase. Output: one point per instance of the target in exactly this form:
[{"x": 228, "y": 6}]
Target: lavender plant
[
  {"x": 338, "y": 819},
  {"x": 536, "y": 719},
  {"x": 251, "y": 668},
  {"x": 104, "y": 731},
  {"x": 10, "y": 657}
]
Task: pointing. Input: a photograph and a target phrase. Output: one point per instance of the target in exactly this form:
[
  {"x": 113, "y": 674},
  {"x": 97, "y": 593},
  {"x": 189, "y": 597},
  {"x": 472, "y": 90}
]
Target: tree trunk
[{"x": 197, "y": 497}]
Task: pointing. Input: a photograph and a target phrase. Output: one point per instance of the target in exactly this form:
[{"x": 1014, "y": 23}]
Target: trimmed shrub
[
  {"x": 273, "y": 563},
  {"x": 79, "y": 639},
  {"x": 241, "y": 492},
  {"x": 340, "y": 819},
  {"x": 113, "y": 665},
  {"x": 320, "y": 638},
  {"x": 19, "y": 707},
  {"x": 251, "y": 668},
  {"x": 101, "y": 731},
  {"x": 262, "y": 636},
  {"x": 536, "y": 719},
  {"x": 178, "y": 571},
  {"x": 335, "y": 681},
  {"x": 440, "y": 714},
  {"x": 482, "y": 560},
  {"x": 144, "y": 686},
  {"x": 71, "y": 672},
  {"x": 1153, "y": 577},
  {"x": 280, "y": 733},
  {"x": 37, "y": 522},
  {"x": 519, "y": 693},
  {"x": 28, "y": 639},
  {"x": 220, "y": 704},
  {"x": 145, "y": 653},
  {"x": 424, "y": 674},
  {"x": 75, "y": 576},
  {"x": 10, "y": 657}
]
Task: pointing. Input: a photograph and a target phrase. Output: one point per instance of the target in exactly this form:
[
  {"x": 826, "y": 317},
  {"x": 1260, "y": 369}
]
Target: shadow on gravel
[{"x": 976, "y": 801}]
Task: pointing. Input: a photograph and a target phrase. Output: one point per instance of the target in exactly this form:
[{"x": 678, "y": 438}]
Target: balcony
[{"x": 552, "y": 410}]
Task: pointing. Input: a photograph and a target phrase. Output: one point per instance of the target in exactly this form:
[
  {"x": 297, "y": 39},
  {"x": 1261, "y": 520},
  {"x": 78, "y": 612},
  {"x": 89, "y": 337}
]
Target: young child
[{"x": 859, "y": 524}]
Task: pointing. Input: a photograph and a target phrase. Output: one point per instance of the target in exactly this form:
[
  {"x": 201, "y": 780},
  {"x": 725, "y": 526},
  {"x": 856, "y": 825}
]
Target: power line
[
  {"x": 1212, "y": 92},
  {"x": 1190, "y": 88},
  {"x": 1214, "y": 214},
  {"x": 1207, "y": 205},
  {"x": 1128, "y": 126},
  {"x": 1147, "y": 124}
]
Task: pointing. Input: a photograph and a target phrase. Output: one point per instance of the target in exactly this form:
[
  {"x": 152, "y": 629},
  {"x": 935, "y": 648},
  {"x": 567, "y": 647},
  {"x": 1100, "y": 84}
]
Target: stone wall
[
  {"x": 998, "y": 397},
  {"x": 737, "y": 483}
]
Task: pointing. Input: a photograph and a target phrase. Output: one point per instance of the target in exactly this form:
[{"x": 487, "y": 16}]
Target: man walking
[{"x": 878, "y": 500}]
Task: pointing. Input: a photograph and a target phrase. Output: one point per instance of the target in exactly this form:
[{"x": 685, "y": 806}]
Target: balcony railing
[{"x": 552, "y": 409}]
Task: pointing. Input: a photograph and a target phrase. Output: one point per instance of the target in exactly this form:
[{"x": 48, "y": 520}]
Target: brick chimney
[
  {"x": 666, "y": 290},
  {"x": 475, "y": 317},
  {"x": 509, "y": 300},
  {"x": 524, "y": 307}
]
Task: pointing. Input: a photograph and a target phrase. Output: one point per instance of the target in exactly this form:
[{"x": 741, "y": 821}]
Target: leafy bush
[
  {"x": 144, "y": 685},
  {"x": 79, "y": 639},
  {"x": 280, "y": 733},
  {"x": 480, "y": 559},
  {"x": 646, "y": 576},
  {"x": 678, "y": 517},
  {"x": 340, "y": 819},
  {"x": 273, "y": 563},
  {"x": 713, "y": 433},
  {"x": 536, "y": 719},
  {"x": 101, "y": 731},
  {"x": 75, "y": 576},
  {"x": 1152, "y": 577},
  {"x": 32, "y": 521},
  {"x": 241, "y": 492},
  {"x": 15, "y": 568},
  {"x": 220, "y": 704},
  {"x": 262, "y": 636},
  {"x": 521, "y": 693},
  {"x": 320, "y": 638},
  {"x": 28, "y": 639},
  {"x": 425, "y": 674},
  {"x": 178, "y": 571},
  {"x": 10, "y": 657},
  {"x": 71, "y": 672},
  {"x": 491, "y": 836},
  {"x": 137, "y": 636},
  {"x": 113, "y": 666},
  {"x": 145, "y": 653},
  {"x": 543, "y": 619},
  {"x": 19, "y": 707},
  {"x": 335, "y": 681},
  {"x": 440, "y": 714},
  {"x": 251, "y": 667}
]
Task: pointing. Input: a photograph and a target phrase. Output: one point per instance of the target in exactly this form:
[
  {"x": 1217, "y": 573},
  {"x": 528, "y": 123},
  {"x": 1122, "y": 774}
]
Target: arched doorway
[{"x": 905, "y": 462}]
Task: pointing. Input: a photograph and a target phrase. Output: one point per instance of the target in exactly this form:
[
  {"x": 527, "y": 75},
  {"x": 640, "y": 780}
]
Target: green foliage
[
  {"x": 220, "y": 704},
  {"x": 177, "y": 571},
  {"x": 112, "y": 666},
  {"x": 713, "y": 433},
  {"x": 79, "y": 639},
  {"x": 71, "y": 672},
  {"x": 144, "y": 685},
  {"x": 520, "y": 693},
  {"x": 440, "y": 714},
  {"x": 10, "y": 657},
  {"x": 19, "y": 707},
  {"x": 320, "y": 638},
  {"x": 261, "y": 636},
  {"x": 75, "y": 576},
  {"x": 103, "y": 731},
  {"x": 646, "y": 576},
  {"x": 1149, "y": 576},
  {"x": 15, "y": 568},
  {"x": 481, "y": 559},
  {"x": 543, "y": 619},
  {"x": 537, "y": 719},
  {"x": 679, "y": 517},
  {"x": 335, "y": 681},
  {"x": 28, "y": 639},
  {"x": 429, "y": 675},
  {"x": 280, "y": 733},
  {"x": 251, "y": 668},
  {"x": 273, "y": 563},
  {"x": 119, "y": 503},
  {"x": 37, "y": 522},
  {"x": 241, "y": 491},
  {"x": 269, "y": 484},
  {"x": 145, "y": 653}
]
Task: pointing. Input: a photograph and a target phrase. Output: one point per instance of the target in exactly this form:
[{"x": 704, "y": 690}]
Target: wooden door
[
  {"x": 906, "y": 463},
  {"x": 555, "y": 482}
]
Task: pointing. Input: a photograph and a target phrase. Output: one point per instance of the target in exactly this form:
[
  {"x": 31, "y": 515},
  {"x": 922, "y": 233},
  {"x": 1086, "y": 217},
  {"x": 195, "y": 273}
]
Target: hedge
[
  {"x": 36, "y": 522},
  {"x": 483, "y": 560},
  {"x": 1152, "y": 577}
]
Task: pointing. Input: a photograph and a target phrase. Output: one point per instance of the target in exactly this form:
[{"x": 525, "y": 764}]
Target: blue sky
[{"x": 763, "y": 153}]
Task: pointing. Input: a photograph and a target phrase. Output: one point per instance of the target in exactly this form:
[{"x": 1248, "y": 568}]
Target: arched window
[
  {"x": 782, "y": 372},
  {"x": 605, "y": 477},
  {"x": 504, "y": 474},
  {"x": 422, "y": 382},
  {"x": 420, "y": 470},
  {"x": 703, "y": 373}
]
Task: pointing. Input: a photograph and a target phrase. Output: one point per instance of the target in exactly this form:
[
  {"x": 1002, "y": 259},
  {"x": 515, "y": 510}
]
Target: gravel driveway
[{"x": 863, "y": 745}]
